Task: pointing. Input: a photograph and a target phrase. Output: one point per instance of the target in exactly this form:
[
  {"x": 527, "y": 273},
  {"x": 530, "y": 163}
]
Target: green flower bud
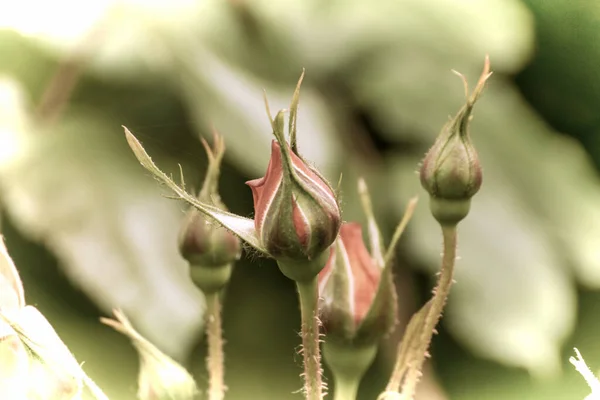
[
  {"x": 209, "y": 248},
  {"x": 451, "y": 172},
  {"x": 204, "y": 243}
]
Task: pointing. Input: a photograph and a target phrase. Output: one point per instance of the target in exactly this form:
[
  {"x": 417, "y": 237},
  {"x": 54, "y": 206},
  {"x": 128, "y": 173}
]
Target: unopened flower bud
[
  {"x": 205, "y": 243},
  {"x": 297, "y": 216},
  {"x": 209, "y": 248},
  {"x": 451, "y": 172},
  {"x": 347, "y": 287},
  {"x": 160, "y": 378}
]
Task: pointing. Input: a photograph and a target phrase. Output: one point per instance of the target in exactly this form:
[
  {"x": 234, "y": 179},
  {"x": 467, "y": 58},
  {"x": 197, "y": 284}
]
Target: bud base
[
  {"x": 303, "y": 271},
  {"x": 211, "y": 279},
  {"x": 348, "y": 363},
  {"x": 449, "y": 212}
]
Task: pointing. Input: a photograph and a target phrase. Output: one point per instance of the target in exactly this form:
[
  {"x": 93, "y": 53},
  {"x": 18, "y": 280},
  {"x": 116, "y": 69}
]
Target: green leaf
[
  {"x": 410, "y": 349},
  {"x": 242, "y": 227}
]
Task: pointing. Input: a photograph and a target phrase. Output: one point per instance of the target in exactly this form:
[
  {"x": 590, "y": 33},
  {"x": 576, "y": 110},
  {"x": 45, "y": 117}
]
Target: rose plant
[{"x": 344, "y": 278}]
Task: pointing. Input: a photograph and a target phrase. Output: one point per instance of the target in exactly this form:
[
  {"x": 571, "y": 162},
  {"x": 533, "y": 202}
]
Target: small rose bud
[
  {"x": 348, "y": 285},
  {"x": 160, "y": 376},
  {"x": 205, "y": 243},
  {"x": 451, "y": 172},
  {"x": 209, "y": 248},
  {"x": 297, "y": 216}
]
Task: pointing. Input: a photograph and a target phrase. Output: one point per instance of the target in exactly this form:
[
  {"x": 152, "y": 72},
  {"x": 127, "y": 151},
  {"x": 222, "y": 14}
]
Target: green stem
[
  {"x": 308, "y": 294},
  {"x": 345, "y": 389},
  {"x": 215, "y": 357},
  {"x": 348, "y": 364},
  {"x": 438, "y": 302}
]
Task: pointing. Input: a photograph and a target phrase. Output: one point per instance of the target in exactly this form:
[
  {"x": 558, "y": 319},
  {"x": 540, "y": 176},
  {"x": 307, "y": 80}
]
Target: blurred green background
[{"x": 90, "y": 230}]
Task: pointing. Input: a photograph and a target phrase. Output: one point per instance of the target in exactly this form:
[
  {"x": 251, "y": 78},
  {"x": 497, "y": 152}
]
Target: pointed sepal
[{"x": 240, "y": 226}]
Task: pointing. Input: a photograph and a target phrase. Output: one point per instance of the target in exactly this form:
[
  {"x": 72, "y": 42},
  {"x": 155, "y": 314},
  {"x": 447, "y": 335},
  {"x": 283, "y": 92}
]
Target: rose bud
[
  {"x": 451, "y": 172},
  {"x": 347, "y": 288},
  {"x": 209, "y": 248},
  {"x": 160, "y": 376},
  {"x": 357, "y": 298},
  {"x": 297, "y": 216}
]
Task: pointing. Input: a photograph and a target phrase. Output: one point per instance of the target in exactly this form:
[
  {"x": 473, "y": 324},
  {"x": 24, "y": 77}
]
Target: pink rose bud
[
  {"x": 348, "y": 285},
  {"x": 297, "y": 216}
]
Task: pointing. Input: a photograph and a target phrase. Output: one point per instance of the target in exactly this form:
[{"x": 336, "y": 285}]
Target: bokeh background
[{"x": 90, "y": 230}]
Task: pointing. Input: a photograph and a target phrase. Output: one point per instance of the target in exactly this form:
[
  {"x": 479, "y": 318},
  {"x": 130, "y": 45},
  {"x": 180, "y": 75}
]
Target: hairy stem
[
  {"x": 308, "y": 293},
  {"x": 438, "y": 302},
  {"x": 215, "y": 357}
]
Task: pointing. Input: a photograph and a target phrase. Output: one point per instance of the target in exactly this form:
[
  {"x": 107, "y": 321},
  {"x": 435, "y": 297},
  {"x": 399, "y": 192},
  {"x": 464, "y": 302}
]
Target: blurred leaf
[
  {"x": 562, "y": 80},
  {"x": 512, "y": 301},
  {"x": 232, "y": 101},
  {"x": 75, "y": 190},
  {"x": 12, "y": 297},
  {"x": 276, "y": 39}
]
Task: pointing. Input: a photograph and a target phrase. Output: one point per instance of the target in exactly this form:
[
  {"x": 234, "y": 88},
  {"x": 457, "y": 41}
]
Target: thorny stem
[
  {"x": 215, "y": 358},
  {"x": 438, "y": 302},
  {"x": 308, "y": 294}
]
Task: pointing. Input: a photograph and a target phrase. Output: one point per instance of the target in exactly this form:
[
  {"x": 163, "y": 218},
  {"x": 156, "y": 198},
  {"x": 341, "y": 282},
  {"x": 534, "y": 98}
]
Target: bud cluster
[{"x": 297, "y": 221}]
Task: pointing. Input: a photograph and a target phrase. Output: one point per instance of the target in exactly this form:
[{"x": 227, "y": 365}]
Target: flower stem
[
  {"x": 345, "y": 389},
  {"x": 438, "y": 302},
  {"x": 308, "y": 294},
  {"x": 348, "y": 364},
  {"x": 215, "y": 357}
]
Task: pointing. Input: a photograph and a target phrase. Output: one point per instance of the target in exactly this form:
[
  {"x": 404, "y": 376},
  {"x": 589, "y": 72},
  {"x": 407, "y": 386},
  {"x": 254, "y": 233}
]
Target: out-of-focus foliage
[
  {"x": 101, "y": 219},
  {"x": 377, "y": 92}
]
